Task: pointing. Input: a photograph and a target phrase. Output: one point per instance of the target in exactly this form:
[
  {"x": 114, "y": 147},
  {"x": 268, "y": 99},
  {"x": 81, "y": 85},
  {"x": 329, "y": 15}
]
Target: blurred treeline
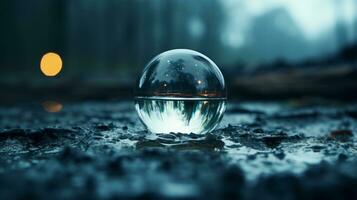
[
  {"x": 120, "y": 36},
  {"x": 105, "y": 44},
  {"x": 106, "y": 36}
]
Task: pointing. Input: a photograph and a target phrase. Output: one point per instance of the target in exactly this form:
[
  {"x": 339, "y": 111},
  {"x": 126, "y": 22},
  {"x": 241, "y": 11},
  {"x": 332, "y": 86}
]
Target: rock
[{"x": 341, "y": 135}]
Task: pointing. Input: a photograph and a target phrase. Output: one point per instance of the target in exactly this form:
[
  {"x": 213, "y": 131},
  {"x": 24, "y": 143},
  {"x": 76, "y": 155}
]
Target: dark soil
[{"x": 285, "y": 150}]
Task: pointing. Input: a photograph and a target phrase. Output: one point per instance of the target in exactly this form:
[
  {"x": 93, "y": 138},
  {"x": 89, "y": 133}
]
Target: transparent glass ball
[{"x": 181, "y": 91}]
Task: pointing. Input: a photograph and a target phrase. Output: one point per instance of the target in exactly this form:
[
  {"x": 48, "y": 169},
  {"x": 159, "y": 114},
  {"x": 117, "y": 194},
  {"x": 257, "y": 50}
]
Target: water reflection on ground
[{"x": 261, "y": 138}]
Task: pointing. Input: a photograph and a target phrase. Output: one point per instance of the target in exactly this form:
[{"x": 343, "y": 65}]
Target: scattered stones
[
  {"x": 317, "y": 148},
  {"x": 258, "y": 130},
  {"x": 280, "y": 155},
  {"x": 104, "y": 127},
  {"x": 273, "y": 141}
]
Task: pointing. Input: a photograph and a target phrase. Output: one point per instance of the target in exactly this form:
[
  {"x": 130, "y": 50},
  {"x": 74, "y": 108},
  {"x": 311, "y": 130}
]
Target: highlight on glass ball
[{"x": 181, "y": 91}]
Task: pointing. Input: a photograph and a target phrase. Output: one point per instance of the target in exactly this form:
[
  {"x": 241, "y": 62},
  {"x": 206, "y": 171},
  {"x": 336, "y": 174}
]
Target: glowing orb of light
[{"x": 51, "y": 64}]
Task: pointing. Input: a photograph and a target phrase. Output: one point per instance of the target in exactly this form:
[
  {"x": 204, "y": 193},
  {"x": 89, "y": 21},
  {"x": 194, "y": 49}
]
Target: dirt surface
[{"x": 261, "y": 150}]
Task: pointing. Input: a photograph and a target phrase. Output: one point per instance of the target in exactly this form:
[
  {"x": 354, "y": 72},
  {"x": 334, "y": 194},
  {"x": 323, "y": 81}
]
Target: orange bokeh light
[
  {"x": 51, "y": 64},
  {"x": 52, "y": 106}
]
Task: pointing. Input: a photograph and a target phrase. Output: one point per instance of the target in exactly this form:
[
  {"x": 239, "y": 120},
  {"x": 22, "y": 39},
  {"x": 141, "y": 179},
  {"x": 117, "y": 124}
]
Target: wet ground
[{"x": 261, "y": 150}]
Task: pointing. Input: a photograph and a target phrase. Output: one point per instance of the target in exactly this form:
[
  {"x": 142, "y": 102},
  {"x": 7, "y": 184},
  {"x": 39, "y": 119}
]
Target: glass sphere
[{"x": 181, "y": 91}]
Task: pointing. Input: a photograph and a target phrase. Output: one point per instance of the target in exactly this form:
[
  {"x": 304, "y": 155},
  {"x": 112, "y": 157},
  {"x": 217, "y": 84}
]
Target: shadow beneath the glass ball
[{"x": 181, "y": 141}]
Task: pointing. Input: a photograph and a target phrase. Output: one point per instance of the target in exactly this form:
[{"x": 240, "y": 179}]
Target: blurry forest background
[{"x": 266, "y": 49}]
